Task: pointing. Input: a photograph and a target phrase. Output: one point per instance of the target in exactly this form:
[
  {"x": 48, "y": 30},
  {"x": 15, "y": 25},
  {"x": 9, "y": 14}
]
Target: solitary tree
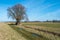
[{"x": 17, "y": 12}]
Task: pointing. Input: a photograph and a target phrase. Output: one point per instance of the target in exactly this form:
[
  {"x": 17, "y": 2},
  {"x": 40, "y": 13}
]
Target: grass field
[
  {"x": 30, "y": 31},
  {"x": 7, "y": 33},
  {"x": 46, "y": 26}
]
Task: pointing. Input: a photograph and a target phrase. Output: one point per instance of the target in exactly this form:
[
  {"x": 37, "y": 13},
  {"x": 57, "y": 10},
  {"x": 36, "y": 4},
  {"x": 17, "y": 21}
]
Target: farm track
[
  {"x": 28, "y": 35},
  {"x": 58, "y": 34}
]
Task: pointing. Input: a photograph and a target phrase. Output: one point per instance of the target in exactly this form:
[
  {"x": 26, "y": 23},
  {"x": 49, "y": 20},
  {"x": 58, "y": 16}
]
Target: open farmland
[
  {"x": 54, "y": 27},
  {"x": 30, "y": 31},
  {"x": 47, "y": 29}
]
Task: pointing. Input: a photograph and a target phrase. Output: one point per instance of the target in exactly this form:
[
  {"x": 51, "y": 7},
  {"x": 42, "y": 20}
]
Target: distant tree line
[
  {"x": 53, "y": 21},
  {"x": 32, "y": 21},
  {"x": 44, "y": 21}
]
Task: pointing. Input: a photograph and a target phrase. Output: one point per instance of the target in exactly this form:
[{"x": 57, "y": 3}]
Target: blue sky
[{"x": 37, "y": 10}]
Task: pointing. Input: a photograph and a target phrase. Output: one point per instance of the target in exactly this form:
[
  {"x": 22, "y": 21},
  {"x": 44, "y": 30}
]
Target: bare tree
[{"x": 17, "y": 12}]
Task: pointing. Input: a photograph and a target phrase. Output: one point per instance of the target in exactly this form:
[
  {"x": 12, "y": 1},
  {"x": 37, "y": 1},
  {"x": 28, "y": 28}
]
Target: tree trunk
[{"x": 17, "y": 22}]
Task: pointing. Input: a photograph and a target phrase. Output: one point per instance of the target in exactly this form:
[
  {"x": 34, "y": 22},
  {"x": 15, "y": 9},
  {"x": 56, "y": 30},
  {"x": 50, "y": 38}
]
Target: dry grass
[
  {"x": 7, "y": 33},
  {"x": 52, "y": 27}
]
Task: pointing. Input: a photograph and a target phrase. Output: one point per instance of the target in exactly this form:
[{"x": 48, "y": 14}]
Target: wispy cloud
[
  {"x": 51, "y": 16},
  {"x": 36, "y": 9},
  {"x": 43, "y": 7}
]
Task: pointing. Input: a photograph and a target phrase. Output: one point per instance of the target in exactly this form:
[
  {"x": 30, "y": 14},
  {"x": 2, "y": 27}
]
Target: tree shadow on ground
[{"x": 11, "y": 24}]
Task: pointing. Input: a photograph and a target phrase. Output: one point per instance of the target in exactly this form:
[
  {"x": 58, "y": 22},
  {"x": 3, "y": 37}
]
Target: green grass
[
  {"x": 44, "y": 24},
  {"x": 48, "y": 26}
]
